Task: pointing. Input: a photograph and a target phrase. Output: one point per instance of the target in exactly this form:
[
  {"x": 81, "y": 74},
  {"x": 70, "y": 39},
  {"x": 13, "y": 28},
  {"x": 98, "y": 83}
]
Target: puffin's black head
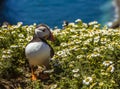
[{"x": 43, "y": 31}]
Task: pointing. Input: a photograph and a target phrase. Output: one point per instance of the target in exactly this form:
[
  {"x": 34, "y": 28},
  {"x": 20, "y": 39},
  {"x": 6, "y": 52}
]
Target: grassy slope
[{"x": 88, "y": 57}]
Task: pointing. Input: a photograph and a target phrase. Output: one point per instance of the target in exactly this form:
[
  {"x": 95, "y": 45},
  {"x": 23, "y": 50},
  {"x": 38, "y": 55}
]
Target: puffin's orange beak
[{"x": 51, "y": 37}]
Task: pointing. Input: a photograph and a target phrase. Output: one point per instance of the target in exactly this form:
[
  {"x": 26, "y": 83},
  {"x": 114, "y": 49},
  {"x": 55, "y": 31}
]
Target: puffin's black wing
[{"x": 51, "y": 49}]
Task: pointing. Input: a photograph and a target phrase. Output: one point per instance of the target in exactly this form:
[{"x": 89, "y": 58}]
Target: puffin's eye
[{"x": 43, "y": 30}]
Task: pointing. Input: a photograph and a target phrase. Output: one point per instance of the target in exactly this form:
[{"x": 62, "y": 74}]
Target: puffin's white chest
[{"x": 37, "y": 52}]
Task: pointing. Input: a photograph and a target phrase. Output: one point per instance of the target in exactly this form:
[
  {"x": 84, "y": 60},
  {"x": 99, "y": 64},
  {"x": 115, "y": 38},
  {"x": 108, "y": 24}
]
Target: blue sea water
[{"x": 54, "y": 12}]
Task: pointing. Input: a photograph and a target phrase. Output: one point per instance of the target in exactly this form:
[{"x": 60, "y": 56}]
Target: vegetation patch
[{"x": 86, "y": 57}]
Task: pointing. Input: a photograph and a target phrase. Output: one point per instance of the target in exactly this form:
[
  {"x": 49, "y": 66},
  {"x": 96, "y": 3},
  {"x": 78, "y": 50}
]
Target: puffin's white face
[{"x": 42, "y": 32}]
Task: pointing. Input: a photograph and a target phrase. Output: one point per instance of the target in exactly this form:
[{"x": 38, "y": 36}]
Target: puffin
[{"x": 38, "y": 51}]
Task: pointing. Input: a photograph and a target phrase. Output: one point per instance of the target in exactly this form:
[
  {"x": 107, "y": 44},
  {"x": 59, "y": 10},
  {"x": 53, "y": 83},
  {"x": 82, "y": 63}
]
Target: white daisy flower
[
  {"x": 75, "y": 70},
  {"x": 4, "y": 52},
  {"x": 13, "y": 32},
  {"x": 53, "y": 86},
  {"x": 19, "y": 24},
  {"x": 6, "y": 56},
  {"x": 107, "y": 63},
  {"x": 29, "y": 29},
  {"x": 87, "y": 81},
  {"x": 1, "y": 37},
  {"x": 111, "y": 69},
  {"x": 14, "y": 46},
  {"x": 80, "y": 56},
  {"x": 78, "y": 20},
  {"x": 95, "y": 55},
  {"x": 93, "y": 23},
  {"x": 72, "y": 24},
  {"x": 21, "y": 40},
  {"x": 76, "y": 75},
  {"x": 63, "y": 44},
  {"x": 60, "y": 53},
  {"x": 29, "y": 38},
  {"x": 85, "y": 25},
  {"x": 21, "y": 35},
  {"x": 9, "y": 51},
  {"x": 101, "y": 84}
]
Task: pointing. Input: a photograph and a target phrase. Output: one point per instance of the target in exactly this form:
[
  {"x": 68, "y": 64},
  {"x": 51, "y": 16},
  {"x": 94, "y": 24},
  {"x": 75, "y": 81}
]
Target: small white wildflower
[
  {"x": 103, "y": 42},
  {"x": 78, "y": 20},
  {"x": 63, "y": 44},
  {"x": 13, "y": 32},
  {"x": 1, "y": 37},
  {"x": 9, "y": 51},
  {"x": 34, "y": 24},
  {"x": 87, "y": 80},
  {"x": 84, "y": 48},
  {"x": 107, "y": 63},
  {"x": 110, "y": 47},
  {"x": 101, "y": 84},
  {"x": 109, "y": 24},
  {"x": 14, "y": 46},
  {"x": 55, "y": 27},
  {"x": 97, "y": 32},
  {"x": 21, "y": 36},
  {"x": 53, "y": 86},
  {"x": 104, "y": 32},
  {"x": 80, "y": 56},
  {"x": 59, "y": 53},
  {"x": 4, "y": 52},
  {"x": 29, "y": 38},
  {"x": 76, "y": 75},
  {"x": 56, "y": 31},
  {"x": 74, "y": 36},
  {"x": 96, "y": 49},
  {"x": 95, "y": 55},
  {"x": 86, "y": 43},
  {"x": 70, "y": 43},
  {"x": 96, "y": 39},
  {"x": 65, "y": 23},
  {"x": 4, "y": 26},
  {"x": 72, "y": 30},
  {"x": 89, "y": 40},
  {"x": 75, "y": 70},
  {"x": 9, "y": 56},
  {"x": 78, "y": 42},
  {"x": 62, "y": 53},
  {"x": 104, "y": 73},
  {"x": 71, "y": 24},
  {"x": 21, "y": 40},
  {"x": 111, "y": 68},
  {"x": 75, "y": 48},
  {"x": 95, "y": 27},
  {"x": 5, "y": 29},
  {"x": 29, "y": 29},
  {"x": 93, "y": 23},
  {"x": 19, "y": 24},
  {"x": 6, "y": 56},
  {"x": 86, "y": 35},
  {"x": 85, "y": 25}
]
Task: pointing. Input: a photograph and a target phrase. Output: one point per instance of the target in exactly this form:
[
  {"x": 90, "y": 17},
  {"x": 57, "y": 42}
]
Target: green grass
[{"x": 88, "y": 57}]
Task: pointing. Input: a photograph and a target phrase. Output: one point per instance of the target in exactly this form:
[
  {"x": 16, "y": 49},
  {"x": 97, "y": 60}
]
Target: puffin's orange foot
[{"x": 34, "y": 77}]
